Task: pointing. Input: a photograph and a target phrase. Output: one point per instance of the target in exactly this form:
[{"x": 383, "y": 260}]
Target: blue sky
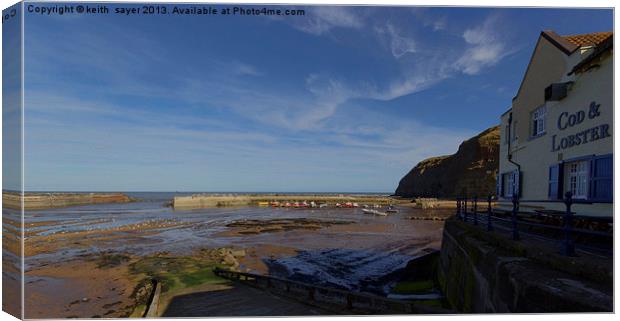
[{"x": 341, "y": 99}]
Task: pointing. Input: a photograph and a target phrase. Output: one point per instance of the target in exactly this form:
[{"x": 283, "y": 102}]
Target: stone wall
[
  {"x": 487, "y": 272},
  {"x": 208, "y": 200},
  {"x": 52, "y": 200}
]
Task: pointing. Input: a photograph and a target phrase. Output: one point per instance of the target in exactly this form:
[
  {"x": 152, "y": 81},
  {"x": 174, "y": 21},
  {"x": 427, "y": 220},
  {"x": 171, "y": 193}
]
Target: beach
[{"x": 92, "y": 260}]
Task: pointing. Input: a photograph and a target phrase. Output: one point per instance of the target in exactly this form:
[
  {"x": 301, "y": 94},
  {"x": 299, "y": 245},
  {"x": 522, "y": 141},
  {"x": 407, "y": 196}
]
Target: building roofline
[
  {"x": 506, "y": 112},
  {"x": 559, "y": 42}
]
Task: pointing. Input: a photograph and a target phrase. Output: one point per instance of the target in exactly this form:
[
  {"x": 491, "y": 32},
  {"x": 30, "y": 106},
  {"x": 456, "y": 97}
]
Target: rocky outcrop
[{"x": 471, "y": 171}]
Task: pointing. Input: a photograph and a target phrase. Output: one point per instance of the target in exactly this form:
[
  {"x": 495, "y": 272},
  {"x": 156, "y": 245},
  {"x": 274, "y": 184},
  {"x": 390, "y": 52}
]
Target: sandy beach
[{"x": 91, "y": 261}]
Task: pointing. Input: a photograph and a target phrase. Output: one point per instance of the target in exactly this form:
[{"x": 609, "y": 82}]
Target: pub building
[{"x": 557, "y": 137}]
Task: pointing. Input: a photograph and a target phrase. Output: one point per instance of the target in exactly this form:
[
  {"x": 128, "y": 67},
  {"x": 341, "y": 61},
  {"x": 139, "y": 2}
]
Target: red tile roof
[{"x": 588, "y": 39}]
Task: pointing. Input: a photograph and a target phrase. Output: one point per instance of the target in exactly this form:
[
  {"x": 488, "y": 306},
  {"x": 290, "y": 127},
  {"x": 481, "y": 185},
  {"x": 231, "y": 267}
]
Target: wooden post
[
  {"x": 489, "y": 214},
  {"x": 465, "y": 208},
  {"x": 476, "y": 210},
  {"x": 568, "y": 246},
  {"x": 515, "y": 209}
]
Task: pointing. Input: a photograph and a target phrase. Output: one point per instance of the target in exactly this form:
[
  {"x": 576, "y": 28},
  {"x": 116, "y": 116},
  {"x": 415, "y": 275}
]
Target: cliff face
[{"x": 470, "y": 171}]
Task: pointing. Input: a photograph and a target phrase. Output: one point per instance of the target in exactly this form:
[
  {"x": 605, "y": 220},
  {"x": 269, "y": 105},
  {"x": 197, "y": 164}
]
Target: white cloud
[
  {"x": 439, "y": 24},
  {"x": 485, "y": 47},
  {"x": 320, "y": 20},
  {"x": 399, "y": 44},
  {"x": 242, "y": 69}
]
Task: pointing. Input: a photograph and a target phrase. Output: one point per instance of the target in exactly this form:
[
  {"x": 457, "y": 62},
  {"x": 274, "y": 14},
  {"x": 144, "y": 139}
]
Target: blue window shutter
[
  {"x": 554, "y": 182},
  {"x": 601, "y": 178},
  {"x": 498, "y": 185},
  {"x": 516, "y": 183}
]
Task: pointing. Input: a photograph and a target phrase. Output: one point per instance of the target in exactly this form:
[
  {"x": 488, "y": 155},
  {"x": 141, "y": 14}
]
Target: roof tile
[{"x": 589, "y": 39}]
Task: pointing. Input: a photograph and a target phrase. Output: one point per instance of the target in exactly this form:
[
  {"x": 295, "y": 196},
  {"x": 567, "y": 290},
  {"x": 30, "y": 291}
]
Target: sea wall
[
  {"x": 34, "y": 201},
  {"x": 208, "y": 200},
  {"x": 482, "y": 271}
]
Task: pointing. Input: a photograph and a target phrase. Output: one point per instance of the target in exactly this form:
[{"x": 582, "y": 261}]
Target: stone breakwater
[
  {"x": 210, "y": 201},
  {"x": 35, "y": 201}
]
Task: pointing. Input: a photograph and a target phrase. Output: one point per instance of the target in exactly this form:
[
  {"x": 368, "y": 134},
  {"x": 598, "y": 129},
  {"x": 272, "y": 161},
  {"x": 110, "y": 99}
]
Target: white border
[{"x": 471, "y": 3}]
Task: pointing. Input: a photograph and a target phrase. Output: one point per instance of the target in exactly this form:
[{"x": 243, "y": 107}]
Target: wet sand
[{"x": 61, "y": 243}]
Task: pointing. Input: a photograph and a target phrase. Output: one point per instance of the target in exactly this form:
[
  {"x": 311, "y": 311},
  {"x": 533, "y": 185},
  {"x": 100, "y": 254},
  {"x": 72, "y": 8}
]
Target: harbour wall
[
  {"x": 209, "y": 201},
  {"x": 33, "y": 201},
  {"x": 486, "y": 272}
]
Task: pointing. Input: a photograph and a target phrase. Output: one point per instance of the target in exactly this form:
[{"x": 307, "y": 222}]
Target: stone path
[{"x": 236, "y": 300}]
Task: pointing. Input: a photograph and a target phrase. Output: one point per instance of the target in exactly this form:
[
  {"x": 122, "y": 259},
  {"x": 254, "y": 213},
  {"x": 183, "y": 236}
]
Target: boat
[
  {"x": 374, "y": 212},
  {"x": 391, "y": 209}
]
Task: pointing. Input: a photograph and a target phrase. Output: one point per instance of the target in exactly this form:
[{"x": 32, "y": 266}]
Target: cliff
[{"x": 471, "y": 170}]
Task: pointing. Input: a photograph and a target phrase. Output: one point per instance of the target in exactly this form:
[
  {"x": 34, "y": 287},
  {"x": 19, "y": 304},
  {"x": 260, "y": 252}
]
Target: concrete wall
[
  {"x": 486, "y": 272},
  {"x": 208, "y": 201},
  {"x": 53, "y": 200}
]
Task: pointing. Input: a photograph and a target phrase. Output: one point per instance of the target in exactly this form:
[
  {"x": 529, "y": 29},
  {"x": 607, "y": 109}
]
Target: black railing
[
  {"x": 567, "y": 227},
  {"x": 342, "y": 301}
]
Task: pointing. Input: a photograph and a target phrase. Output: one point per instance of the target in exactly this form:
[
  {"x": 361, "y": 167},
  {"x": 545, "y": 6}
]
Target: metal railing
[
  {"x": 339, "y": 301},
  {"x": 567, "y": 228}
]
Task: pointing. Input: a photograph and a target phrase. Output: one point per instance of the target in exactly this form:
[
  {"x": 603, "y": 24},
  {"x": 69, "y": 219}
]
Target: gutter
[{"x": 510, "y": 155}]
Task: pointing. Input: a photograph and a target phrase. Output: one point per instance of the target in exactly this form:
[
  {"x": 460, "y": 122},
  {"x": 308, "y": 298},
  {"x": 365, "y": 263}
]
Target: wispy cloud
[
  {"x": 242, "y": 69},
  {"x": 320, "y": 20},
  {"x": 485, "y": 47},
  {"x": 399, "y": 44}
]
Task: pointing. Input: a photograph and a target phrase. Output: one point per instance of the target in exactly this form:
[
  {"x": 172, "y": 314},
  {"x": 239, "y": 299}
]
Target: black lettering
[
  {"x": 585, "y": 135},
  {"x": 595, "y": 134},
  {"x": 564, "y": 114},
  {"x": 594, "y": 112},
  {"x": 605, "y": 131},
  {"x": 564, "y": 143},
  {"x": 581, "y": 115},
  {"x": 553, "y": 147}
]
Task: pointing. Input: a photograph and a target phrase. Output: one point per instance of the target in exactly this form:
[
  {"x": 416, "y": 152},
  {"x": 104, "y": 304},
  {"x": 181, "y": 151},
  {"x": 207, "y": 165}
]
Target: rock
[
  {"x": 471, "y": 170},
  {"x": 238, "y": 253},
  {"x": 229, "y": 260}
]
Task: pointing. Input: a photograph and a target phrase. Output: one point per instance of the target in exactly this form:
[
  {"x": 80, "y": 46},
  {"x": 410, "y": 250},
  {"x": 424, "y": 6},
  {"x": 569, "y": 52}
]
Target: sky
[{"x": 342, "y": 99}]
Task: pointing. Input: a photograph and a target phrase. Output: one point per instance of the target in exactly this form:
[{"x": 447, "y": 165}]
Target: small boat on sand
[{"x": 374, "y": 212}]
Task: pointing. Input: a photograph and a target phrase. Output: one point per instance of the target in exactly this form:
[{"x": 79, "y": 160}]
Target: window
[
  {"x": 538, "y": 121},
  {"x": 588, "y": 178},
  {"x": 577, "y": 174},
  {"x": 509, "y": 184}
]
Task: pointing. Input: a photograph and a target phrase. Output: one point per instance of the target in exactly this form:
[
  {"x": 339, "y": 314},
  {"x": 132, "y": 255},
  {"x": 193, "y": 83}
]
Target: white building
[{"x": 558, "y": 134}]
